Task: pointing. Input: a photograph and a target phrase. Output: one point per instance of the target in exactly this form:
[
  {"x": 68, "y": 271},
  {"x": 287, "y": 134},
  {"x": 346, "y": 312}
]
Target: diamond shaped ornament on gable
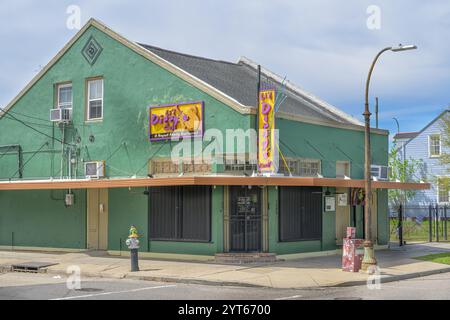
[{"x": 91, "y": 50}]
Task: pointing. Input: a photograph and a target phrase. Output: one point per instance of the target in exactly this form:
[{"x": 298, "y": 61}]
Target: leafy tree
[
  {"x": 445, "y": 156},
  {"x": 403, "y": 170}
]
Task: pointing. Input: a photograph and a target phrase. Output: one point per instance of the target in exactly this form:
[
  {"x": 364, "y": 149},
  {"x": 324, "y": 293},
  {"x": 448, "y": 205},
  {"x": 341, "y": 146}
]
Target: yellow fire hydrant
[{"x": 133, "y": 244}]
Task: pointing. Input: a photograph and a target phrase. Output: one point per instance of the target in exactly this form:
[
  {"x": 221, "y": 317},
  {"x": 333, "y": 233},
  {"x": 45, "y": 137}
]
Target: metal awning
[{"x": 204, "y": 180}]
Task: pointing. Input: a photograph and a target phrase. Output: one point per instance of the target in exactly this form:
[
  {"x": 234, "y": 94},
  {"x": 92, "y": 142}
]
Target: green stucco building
[{"x": 79, "y": 181}]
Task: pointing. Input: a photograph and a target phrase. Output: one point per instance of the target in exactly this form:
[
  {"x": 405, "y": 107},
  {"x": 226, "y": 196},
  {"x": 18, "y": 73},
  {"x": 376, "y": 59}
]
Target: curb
[
  {"x": 399, "y": 277},
  {"x": 385, "y": 279},
  {"x": 163, "y": 279}
]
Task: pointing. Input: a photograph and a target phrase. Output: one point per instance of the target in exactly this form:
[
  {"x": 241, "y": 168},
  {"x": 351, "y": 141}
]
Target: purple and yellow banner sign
[
  {"x": 266, "y": 132},
  {"x": 176, "y": 120}
]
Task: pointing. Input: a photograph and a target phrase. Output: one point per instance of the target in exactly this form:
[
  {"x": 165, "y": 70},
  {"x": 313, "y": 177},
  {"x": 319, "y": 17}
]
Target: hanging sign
[
  {"x": 267, "y": 149},
  {"x": 176, "y": 120}
]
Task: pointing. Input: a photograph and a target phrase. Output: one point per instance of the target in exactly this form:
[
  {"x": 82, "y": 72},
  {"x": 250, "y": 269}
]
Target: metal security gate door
[{"x": 245, "y": 219}]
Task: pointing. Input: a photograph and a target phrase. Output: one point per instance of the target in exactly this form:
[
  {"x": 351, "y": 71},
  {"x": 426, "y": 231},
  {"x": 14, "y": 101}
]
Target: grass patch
[
  {"x": 415, "y": 231},
  {"x": 438, "y": 258}
]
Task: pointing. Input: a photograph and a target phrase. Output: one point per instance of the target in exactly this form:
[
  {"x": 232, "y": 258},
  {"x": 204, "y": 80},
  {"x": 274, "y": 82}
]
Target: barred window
[
  {"x": 301, "y": 167},
  {"x": 239, "y": 164},
  {"x": 168, "y": 167},
  {"x": 300, "y": 213},
  {"x": 180, "y": 213}
]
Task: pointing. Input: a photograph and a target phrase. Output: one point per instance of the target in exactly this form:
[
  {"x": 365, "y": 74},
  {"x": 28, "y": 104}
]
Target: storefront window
[{"x": 300, "y": 213}]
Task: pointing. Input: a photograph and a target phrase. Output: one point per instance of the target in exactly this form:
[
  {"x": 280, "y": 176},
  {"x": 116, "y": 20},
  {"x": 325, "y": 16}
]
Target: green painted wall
[
  {"x": 328, "y": 226},
  {"x": 298, "y": 139},
  {"x": 40, "y": 221},
  {"x": 285, "y": 247},
  {"x": 202, "y": 248},
  {"x": 126, "y": 208},
  {"x": 131, "y": 84}
]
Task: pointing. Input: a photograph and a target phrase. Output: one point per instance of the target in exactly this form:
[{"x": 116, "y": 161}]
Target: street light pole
[{"x": 369, "y": 254}]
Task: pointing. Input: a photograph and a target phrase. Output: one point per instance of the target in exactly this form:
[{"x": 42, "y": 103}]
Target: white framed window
[
  {"x": 64, "y": 96},
  {"x": 95, "y": 99},
  {"x": 309, "y": 168},
  {"x": 301, "y": 167},
  {"x": 343, "y": 169},
  {"x": 443, "y": 190},
  {"x": 434, "y": 145}
]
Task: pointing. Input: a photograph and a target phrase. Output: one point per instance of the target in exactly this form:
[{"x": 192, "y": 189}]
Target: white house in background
[{"x": 426, "y": 145}]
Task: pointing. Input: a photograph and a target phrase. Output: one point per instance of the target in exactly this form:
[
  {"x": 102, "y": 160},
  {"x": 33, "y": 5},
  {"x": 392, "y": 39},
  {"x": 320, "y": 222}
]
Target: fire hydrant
[{"x": 133, "y": 244}]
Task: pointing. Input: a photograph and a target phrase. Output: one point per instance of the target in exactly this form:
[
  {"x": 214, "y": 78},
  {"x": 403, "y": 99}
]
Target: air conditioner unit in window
[
  {"x": 379, "y": 172},
  {"x": 61, "y": 115},
  {"x": 94, "y": 169}
]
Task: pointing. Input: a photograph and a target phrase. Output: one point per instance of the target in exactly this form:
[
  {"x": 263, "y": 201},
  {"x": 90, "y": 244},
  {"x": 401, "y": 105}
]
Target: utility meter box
[{"x": 69, "y": 199}]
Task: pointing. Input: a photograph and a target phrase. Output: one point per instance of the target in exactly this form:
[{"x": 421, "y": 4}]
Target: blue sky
[{"x": 324, "y": 46}]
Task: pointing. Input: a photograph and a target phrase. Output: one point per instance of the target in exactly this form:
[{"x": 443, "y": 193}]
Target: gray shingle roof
[
  {"x": 239, "y": 81},
  {"x": 405, "y": 135}
]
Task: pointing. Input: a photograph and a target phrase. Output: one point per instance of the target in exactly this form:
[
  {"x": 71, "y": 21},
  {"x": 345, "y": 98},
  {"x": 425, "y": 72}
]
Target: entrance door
[
  {"x": 342, "y": 216},
  {"x": 245, "y": 219},
  {"x": 97, "y": 219}
]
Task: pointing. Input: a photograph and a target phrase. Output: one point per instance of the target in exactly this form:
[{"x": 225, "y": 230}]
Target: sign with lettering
[
  {"x": 176, "y": 121},
  {"x": 267, "y": 150}
]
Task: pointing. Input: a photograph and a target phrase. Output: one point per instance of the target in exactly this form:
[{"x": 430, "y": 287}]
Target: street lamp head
[{"x": 401, "y": 47}]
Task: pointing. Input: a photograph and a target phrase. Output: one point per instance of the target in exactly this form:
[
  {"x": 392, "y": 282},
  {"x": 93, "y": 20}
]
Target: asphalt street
[{"x": 26, "y": 286}]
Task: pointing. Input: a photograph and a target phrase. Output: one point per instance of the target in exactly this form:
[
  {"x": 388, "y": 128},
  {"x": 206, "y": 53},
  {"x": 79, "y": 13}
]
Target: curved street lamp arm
[{"x": 366, "y": 111}]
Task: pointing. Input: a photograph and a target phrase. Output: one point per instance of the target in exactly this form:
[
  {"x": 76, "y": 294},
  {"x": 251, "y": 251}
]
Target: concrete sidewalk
[{"x": 395, "y": 263}]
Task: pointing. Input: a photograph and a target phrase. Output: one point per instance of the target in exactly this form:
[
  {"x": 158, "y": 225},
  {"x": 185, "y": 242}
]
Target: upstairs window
[
  {"x": 434, "y": 145},
  {"x": 301, "y": 167},
  {"x": 64, "y": 95},
  {"x": 343, "y": 169},
  {"x": 95, "y": 99}
]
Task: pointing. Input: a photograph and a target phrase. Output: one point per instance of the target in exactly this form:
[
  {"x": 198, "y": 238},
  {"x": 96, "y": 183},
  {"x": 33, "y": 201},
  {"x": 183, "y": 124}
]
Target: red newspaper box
[
  {"x": 351, "y": 260},
  {"x": 351, "y": 232}
]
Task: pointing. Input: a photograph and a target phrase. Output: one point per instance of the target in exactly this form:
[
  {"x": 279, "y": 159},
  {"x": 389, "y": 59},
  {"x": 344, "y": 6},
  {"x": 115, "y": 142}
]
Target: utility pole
[
  {"x": 376, "y": 112},
  {"x": 369, "y": 254}
]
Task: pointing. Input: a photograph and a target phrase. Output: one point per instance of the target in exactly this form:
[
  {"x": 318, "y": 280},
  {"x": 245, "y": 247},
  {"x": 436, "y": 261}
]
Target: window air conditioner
[
  {"x": 379, "y": 172},
  {"x": 94, "y": 169},
  {"x": 61, "y": 115}
]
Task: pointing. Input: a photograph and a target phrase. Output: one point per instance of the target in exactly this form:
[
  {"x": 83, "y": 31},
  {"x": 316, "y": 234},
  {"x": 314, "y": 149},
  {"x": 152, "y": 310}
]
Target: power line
[
  {"x": 146, "y": 162},
  {"x": 36, "y": 130},
  {"x": 29, "y": 159},
  {"x": 9, "y": 116},
  {"x": 28, "y": 116}
]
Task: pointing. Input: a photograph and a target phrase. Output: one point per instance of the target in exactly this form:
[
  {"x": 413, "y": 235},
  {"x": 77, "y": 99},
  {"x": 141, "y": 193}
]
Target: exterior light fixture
[
  {"x": 369, "y": 259},
  {"x": 401, "y": 47}
]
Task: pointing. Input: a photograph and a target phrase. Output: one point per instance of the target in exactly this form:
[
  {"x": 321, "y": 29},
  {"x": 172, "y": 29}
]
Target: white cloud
[{"x": 324, "y": 46}]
